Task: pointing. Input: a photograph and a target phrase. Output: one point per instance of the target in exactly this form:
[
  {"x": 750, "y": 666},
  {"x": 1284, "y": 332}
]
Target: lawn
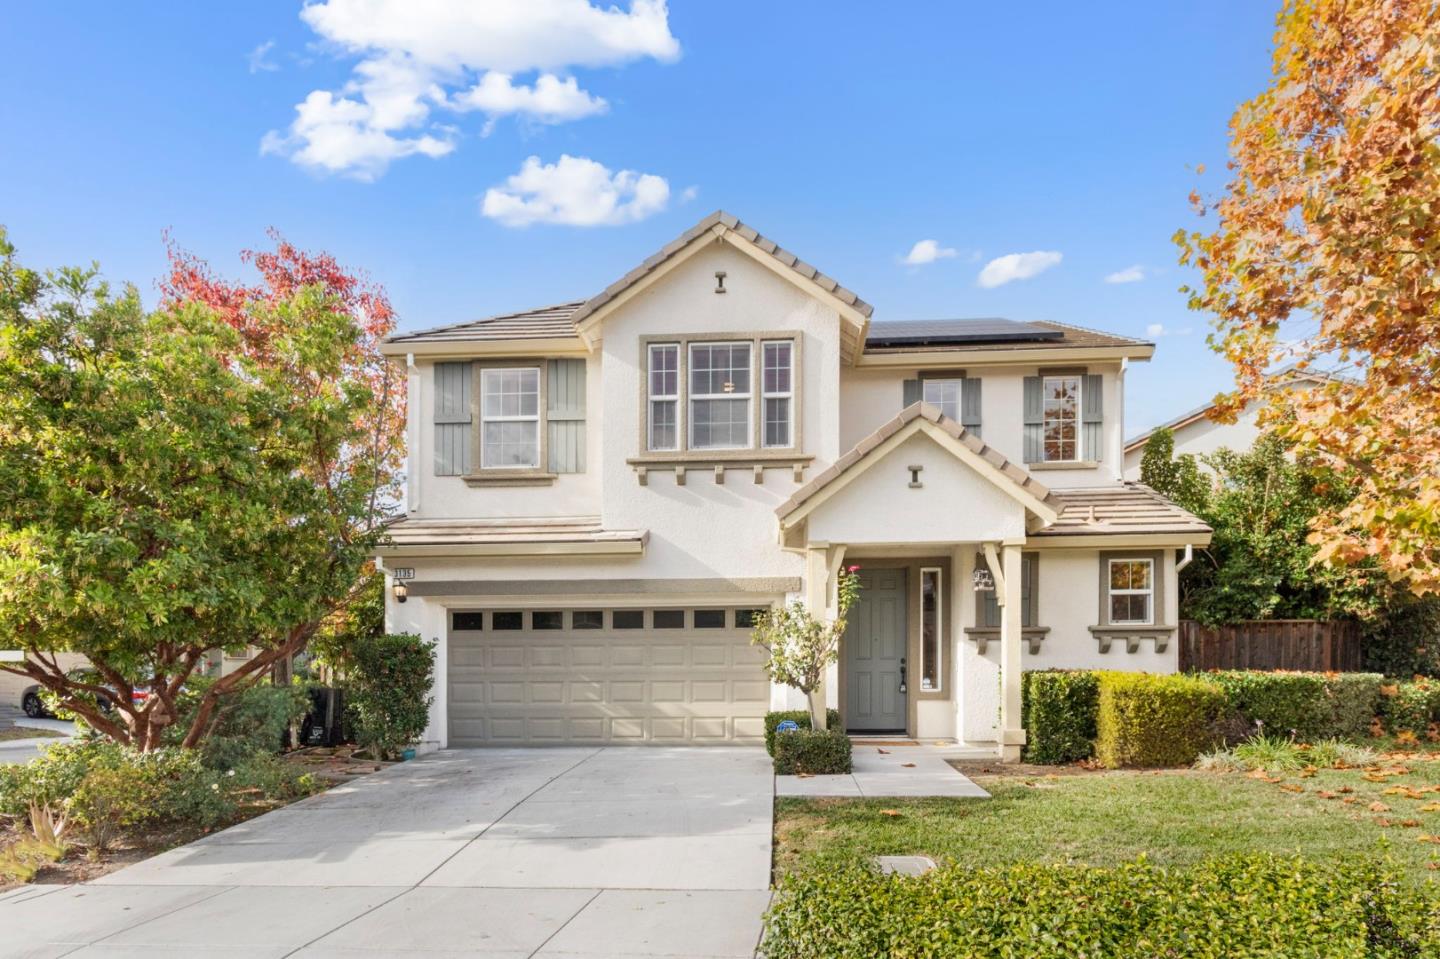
[
  {"x": 10, "y": 733},
  {"x": 1104, "y": 818}
]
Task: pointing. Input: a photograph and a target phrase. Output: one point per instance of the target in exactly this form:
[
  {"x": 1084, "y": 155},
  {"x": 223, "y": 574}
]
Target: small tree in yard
[
  {"x": 388, "y": 680},
  {"x": 209, "y": 475},
  {"x": 802, "y": 646}
]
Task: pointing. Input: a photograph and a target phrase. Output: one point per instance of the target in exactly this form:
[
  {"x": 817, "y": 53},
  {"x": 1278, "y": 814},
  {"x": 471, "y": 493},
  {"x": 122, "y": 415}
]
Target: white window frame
[
  {"x": 651, "y": 398},
  {"x": 939, "y": 629},
  {"x": 788, "y": 395},
  {"x": 1148, "y": 593},
  {"x": 691, "y": 396},
  {"x": 486, "y": 418},
  {"x": 959, "y": 385},
  {"x": 1079, "y": 417}
]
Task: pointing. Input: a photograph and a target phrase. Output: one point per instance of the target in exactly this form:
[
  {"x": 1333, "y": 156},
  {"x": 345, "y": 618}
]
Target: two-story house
[{"x": 602, "y": 494}]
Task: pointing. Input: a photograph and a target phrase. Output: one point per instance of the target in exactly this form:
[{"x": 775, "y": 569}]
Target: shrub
[
  {"x": 53, "y": 778},
  {"x": 1059, "y": 709},
  {"x": 1411, "y": 706},
  {"x": 1155, "y": 720},
  {"x": 388, "y": 681},
  {"x": 813, "y": 752},
  {"x": 801, "y": 718},
  {"x": 248, "y": 721},
  {"x": 1242, "y": 907},
  {"x": 1405, "y": 640},
  {"x": 1355, "y": 701},
  {"x": 1303, "y": 706}
]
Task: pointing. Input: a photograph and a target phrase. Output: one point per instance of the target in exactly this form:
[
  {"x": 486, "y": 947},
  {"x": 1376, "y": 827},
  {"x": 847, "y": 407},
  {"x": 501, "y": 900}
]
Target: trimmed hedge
[
  {"x": 1411, "y": 706},
  {"x": 801, "y": 718},
  {"x": 1236, "y": 908},
  {"x": 1059, "y": 707},
  {"x": 1304, "y": 706},
  {"x": 1155, "y": 720},
  {"x": 813, "y": 752}
]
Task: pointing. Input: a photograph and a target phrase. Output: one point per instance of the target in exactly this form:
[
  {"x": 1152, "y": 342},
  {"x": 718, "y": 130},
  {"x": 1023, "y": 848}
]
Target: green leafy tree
[
  {"x": 388, "y": 679},
  {"x": 802, "y": 646},
  {"x": 1179, "y": 479},
  {"x": 176, "y": 483}
]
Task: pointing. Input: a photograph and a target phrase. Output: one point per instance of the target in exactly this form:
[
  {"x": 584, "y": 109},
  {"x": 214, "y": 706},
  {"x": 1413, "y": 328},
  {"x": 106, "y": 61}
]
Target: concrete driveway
[{"x": 613, "y": 852}]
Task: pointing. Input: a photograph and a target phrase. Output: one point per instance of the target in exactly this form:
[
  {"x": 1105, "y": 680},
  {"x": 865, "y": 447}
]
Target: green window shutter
[
  {"x": 987, "y": 610},
  {"x": 1092, "y": 398},
  {"x": 565, "y": 416},
  {"x": 452, "y": 419},
  {"x": 1029, "y": 595},
  {"x": 910, "y": 393},
  {"x": 1034, "y": 407},
  {"x": 970, "y": 404}
]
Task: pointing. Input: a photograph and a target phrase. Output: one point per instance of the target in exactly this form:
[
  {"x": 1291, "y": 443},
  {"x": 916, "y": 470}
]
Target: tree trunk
[{"x": 818, "y": 719}]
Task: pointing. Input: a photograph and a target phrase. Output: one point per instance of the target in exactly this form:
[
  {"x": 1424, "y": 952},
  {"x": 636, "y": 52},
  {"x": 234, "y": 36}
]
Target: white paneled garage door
[{"x": 529, "y": 677}]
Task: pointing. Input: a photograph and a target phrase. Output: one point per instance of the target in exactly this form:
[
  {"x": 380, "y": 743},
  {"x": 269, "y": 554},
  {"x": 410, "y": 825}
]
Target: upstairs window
[
  {"x": 777, "y": 393},
  {"x": 720, "y": 396},
  {"x": 1061, "y": 418},
  {"x": 943, "y": 394},
  {"x": 707, "y": 394},
  {"x": 510, "y": 418},
  {"x": 664, "y": 411}
]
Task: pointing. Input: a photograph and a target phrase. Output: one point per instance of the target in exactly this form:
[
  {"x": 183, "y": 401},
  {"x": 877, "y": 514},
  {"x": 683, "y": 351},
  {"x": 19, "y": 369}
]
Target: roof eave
[
  {"x": 527, "y": 346},
  {"x": 934, "y": 357}
]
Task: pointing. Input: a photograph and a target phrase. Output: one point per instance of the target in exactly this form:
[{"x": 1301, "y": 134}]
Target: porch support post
[
  {"x": 817, "y": 601},
  {"x": 1012, "y": 733}
]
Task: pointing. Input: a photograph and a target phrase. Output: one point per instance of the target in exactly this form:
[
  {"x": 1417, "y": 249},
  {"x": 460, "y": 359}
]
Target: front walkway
[
  {"x": 891, "y": 769},
  {"x": 572, "y": 853}
]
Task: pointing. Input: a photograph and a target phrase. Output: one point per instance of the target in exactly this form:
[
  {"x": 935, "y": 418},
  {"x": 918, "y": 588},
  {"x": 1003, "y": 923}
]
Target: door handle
[{"x": 902, "y": 674}]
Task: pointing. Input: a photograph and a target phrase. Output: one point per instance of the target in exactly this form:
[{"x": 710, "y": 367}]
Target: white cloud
[
  {"x": 1017, "y": 266},
  {"x": 259, "y": 58},
  {"x": 419, "y": 56},
  {"x": 928, "y": 251},
  {"x": 574, "y": 191},
  {"x": 1131, "y": 274},
  {"x": 1157, "y": 330}
]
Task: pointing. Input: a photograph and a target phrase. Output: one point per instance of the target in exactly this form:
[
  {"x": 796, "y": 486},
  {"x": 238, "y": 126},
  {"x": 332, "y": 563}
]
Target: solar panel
[{"x": 940, "y": 332}]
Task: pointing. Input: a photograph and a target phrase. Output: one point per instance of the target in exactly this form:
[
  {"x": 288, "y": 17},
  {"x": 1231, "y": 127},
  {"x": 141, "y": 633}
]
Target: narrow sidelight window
[
  {"x": 1132, "y": 592},
  {"x": 719, "y": 396},
  {"x": 931, "y": 641},
  {"x": 777, "y": 393},
  {"x": 664, "y": 413},
  {"x": 1061, "y": 418},
  {"x": 510, "y": 418}
]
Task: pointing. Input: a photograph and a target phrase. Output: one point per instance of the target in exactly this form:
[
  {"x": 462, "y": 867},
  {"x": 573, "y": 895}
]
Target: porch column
[
  {"x": 817, "y": 601},
  {"x": 1012, "y": 733}
]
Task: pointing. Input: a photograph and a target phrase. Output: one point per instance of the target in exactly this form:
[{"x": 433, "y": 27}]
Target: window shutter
[
  {"x": 1093, "y": 398},
  {"x": 1034, "y": 438},
  {"x": 565, "y": 416},
  {"x": 1028, "y": 598},
  {"x": 910, "y": 393},
  {"x": 970, "y": 404},
  {"x": 987, "y": 610},
  {"x": 452, "y": 419}
]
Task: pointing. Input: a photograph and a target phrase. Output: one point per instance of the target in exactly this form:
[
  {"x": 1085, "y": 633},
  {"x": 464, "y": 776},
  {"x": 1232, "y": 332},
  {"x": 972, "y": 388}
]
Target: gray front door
[{"x": 874, "y": 650}]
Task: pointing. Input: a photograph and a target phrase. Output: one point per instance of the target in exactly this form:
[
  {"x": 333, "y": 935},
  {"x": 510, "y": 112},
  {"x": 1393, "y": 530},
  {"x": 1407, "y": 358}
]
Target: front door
[{"x": 874, "y": 651}]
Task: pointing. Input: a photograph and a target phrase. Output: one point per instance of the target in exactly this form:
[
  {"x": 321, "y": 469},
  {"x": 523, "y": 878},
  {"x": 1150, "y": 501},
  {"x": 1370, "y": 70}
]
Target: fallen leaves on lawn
[
  {"x": 1378, "y": 806},
  {"x": 1426, "y": 837},
  {"x": 1292, "y": 787},
  {"x": 1327, "y": 794},
  {"x": 1430, "y": 807},
  {"x": 1410, "y": 823},
  {"x": 1263, "y": 776},
  {"x": 889, "y": 812}
]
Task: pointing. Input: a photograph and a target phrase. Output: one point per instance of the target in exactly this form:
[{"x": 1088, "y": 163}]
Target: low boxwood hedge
[
  {"x": 1411, "y": 706},
  {"x": 1236, "y": 908},
  {"x": 813, "y": 752},
  {"x": 1059, "y": 708},
  {"x": 1155, "y": 720},
  {"x": 801, "y": 718}
]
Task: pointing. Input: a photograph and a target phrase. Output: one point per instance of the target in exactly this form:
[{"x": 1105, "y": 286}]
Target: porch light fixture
[
  {"x": 400, "y": 592},
  {"x": 982, "y": 579},
  {"x": 400, "y": 575}
]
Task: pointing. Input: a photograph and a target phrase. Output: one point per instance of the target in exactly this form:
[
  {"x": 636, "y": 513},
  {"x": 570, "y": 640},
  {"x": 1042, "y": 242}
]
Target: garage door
[{"x": 531, "y": 677}]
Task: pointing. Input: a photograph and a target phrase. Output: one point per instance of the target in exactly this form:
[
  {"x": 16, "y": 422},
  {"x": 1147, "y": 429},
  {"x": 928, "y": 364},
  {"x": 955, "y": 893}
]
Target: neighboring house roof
[
  {"x": 409, "y": 536},
  {"x": 988, "y": 462},
  {"x": 547, "y": 322},
  {"x": 992, "y": 333},
  {"x": 1123, "y": 508}
]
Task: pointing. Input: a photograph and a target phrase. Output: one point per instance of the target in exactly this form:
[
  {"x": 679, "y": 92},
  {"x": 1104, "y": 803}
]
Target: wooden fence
[{"x": 1305, "y": 644}]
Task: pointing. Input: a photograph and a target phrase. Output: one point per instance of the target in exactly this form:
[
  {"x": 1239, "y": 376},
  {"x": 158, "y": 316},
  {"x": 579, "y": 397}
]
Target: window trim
[
  {"x": 1111, "y": 591},
  {"x": 959, "y": 382},
  {"x": 939, "y": 574},
  {"x": 540, "y": 371},
  {"x": 1079, "y": 379},
  {"x": 538, "y": 475},
  {"x": 755, "y": 452},
  {"x": 748, "y": 396}
]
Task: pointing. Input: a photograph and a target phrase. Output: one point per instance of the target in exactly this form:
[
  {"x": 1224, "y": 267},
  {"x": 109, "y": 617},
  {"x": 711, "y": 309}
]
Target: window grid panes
[
  {"x": 510, "y": 418},
  {"x": 777, "y": 392},
  {"x": 930, "y": 629},
  {"x": 1061, "y": 418},
  {"x": 1132, "y": 592},
  {"x": 944, "y": 394},
  {"x": 664, "y": 388},
  {"x": 719, "y": 396}
]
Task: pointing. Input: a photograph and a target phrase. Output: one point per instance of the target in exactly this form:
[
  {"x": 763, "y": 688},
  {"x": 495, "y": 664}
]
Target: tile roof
[
  {"x": 547, "y": 322},
  {"x": 1122, "y": 508},
  {"x": 1050, "y": 335},
  {"x": 1022, "y": 480},
  {"x": 409, "y": 532}
]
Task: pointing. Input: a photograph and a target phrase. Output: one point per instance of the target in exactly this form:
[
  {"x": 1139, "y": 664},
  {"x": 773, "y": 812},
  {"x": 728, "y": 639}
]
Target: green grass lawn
[
  {"x": 8, "y": 733},
  {"x": 1102, "y": 818}
]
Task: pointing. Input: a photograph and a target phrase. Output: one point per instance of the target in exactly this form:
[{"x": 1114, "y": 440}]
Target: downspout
[
  {"x": 412, "y": 416},
  {"x": 1189, "y": 555}
]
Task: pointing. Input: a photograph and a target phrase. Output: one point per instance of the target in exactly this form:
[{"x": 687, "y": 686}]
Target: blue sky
[{"x": 848, "y": 132}]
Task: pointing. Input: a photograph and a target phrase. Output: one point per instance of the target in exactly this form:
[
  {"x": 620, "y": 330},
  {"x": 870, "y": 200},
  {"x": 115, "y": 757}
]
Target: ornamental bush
[
  {"x": 388, "y": 681},
  {"x": 1059, "y": 708},
  {"x": 801, "y": 718},
  {"x": 1307, "y": 707},
  {"x": 1411, "y": 706},
  {"x": 1243, "y": 907},
  {"x": 814, "y": 752},
  {"x": 1155, "y": 720},
  {"x": 244, "y": 722}
]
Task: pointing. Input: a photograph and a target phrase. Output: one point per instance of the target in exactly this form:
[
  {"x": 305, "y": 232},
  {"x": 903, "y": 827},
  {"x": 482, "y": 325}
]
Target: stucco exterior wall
[
  {"x": 869, "y": 397},
  {"x": 1205, "y": 436}
]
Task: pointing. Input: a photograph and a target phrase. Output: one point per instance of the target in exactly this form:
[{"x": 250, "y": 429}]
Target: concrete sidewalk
[
  {"x": 891, "y": 770},
  {"x": 615, "y": 852}
]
